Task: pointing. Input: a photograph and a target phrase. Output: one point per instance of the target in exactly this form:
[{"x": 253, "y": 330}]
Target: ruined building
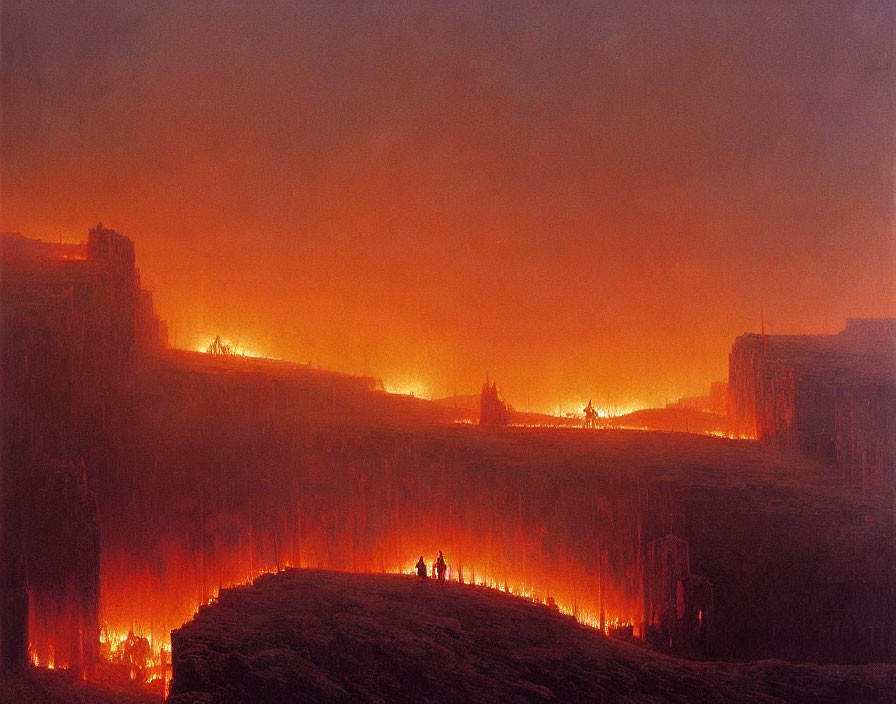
[
  {"x": 678, "y": 605},
  {"x": 827, "y": 396},
  {"x": 74, "y": 317},
  {"x": 492, "y": 410}
]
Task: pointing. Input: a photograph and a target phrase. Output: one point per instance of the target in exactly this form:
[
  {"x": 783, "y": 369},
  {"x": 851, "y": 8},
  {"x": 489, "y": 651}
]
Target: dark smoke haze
[{"x": 585, "y": 199}]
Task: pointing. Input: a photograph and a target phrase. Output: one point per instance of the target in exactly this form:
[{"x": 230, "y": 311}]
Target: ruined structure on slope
[
  {"x": 74, "y": 317},
  {"x": 829, "y": 396},
  {"x": 492, "y": 410},
  {"x": 678, "y": 605}
]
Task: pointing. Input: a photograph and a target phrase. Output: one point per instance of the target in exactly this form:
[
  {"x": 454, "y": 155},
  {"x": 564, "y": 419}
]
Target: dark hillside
[{"x": 311, "y": 636}]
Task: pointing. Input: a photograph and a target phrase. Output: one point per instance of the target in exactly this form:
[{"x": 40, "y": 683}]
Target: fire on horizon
[{"x": 584, "y": 200}]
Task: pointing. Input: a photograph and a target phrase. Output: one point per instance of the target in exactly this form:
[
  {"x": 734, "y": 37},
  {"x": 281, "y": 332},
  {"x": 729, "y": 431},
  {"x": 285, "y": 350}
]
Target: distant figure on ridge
[
  {"x": 421, "y": 568},
  {"x": 590, "y": 416},
  {"x": 440, "y": 567}
]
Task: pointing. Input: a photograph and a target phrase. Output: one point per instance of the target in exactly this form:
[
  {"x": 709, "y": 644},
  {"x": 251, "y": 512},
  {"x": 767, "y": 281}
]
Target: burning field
[{"x": 206, "y": 487}]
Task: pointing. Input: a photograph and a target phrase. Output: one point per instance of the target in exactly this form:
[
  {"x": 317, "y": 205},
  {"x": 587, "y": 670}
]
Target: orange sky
[{"x": 582, "y": 199}]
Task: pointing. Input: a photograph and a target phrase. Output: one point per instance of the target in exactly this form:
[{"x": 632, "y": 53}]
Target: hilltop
[{"x": 312, "y": 635}]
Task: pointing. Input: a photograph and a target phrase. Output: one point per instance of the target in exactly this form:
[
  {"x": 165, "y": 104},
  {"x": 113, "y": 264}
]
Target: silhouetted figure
[
  {"x": 590, "y": 416},
  {"x": 440, "y": 567},
  {"x": 421, "y": 568}
]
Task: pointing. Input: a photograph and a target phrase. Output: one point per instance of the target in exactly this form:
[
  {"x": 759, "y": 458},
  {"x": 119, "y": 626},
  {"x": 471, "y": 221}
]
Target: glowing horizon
[{"x": 563, "y": 209}]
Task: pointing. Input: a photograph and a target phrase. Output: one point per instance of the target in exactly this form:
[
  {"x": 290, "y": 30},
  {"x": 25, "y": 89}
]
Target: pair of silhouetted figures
[{"x": 439, "y": 568}]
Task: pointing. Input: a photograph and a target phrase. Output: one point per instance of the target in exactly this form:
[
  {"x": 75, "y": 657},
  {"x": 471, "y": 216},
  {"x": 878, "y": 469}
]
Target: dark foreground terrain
[
  {"x": 312, "y": 635},
  {"x": 42, "y": 686}
]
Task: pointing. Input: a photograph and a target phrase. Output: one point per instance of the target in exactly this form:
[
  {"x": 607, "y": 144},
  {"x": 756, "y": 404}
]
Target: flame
[
  {"x": 118, "y": 647},
  {"x": 134, "y": 650},
  {"x": 34, "y": 658},
  {"x": 729, "y": 436},
  {"x": 410, "y": 387},
  {"x": 586, "y": 617},
  {"x": 575, "y": 409},
  {"x": 230, "y": 348}
]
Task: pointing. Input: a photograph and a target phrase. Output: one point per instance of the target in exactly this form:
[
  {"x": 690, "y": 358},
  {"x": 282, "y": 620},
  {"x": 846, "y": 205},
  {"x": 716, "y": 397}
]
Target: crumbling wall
[
  {"x": 744, "y": 364},
  {"x": 71, "y": 318},
  {"x": 804, "y": 392},
  {"x": 812, "y": 431},
  {"x": 666, "y": 563},
  {"x": 695, "y": 604},
  {"x": 150, "y": 333},
  {"x": 776, "y": 419},
  {"x": 678, "y": 605},
  {"x": 865, "y": 428},
  {"x": 62, "y": 552}
]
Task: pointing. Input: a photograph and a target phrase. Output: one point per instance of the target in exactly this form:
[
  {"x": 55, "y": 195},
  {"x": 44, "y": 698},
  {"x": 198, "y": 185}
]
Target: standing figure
[
  {"x": 440, "y": 567},
  {"x": 421, "y": 568}
]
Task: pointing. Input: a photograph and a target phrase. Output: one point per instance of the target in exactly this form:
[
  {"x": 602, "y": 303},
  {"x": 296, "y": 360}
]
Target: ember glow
[
  {"x": 149, "y": 658},
  {"x": 367, "y": 512},
  {"x": 574, "y": 409},
  {"x": 577, "y": 589},
  {"x": 218, "y": 346},
  {"x": 407, "y": 388}
]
